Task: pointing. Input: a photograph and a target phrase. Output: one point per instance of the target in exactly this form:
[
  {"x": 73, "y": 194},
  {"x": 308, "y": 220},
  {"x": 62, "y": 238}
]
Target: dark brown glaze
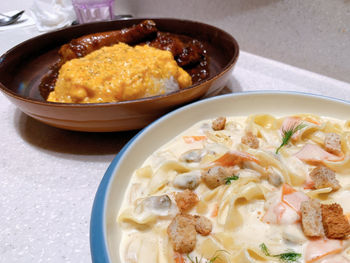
[
  {"x": 84, "y": 45},
  {"x": 189, "y": 53}
]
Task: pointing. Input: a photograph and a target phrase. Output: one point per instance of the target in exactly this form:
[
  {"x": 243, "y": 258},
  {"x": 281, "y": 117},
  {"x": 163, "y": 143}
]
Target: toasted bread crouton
[
  {"x": 311, "y": 218},
  {"x": 215, "y": 176},
  {"x": 186, "y": 200},
  {"x": 251, "y": 140},
  {"x": 182, "y": 233},
  {"x": 332, "y": 143},
  {"x": 324, "y": 177},
  {"x": 219, "y": 124},
  {"x": 335, "y": 223},
  {"x": 203, "y": 225}
]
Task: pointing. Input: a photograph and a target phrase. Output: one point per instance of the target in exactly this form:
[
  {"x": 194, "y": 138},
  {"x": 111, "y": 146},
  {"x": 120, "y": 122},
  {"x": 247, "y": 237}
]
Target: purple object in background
[{"x": 93, "y": 10}]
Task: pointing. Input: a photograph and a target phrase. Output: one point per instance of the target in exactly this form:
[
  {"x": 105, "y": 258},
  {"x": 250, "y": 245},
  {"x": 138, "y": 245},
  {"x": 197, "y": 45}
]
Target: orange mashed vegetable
[{"x": 118, "y": 73}]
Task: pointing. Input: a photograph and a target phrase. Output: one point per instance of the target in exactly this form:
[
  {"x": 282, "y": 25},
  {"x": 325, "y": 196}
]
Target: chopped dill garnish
[
  {"x": 287, "y": 134},
  {"x": 211, "y": 260},
  {"x": 229, "y": 179},
  {"x": 287, "y": 257}
]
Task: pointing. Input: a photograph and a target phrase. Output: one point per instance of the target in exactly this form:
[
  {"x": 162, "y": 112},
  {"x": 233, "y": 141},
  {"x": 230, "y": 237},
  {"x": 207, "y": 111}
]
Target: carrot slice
[
  {"x": 215, "y": 211},
  {"x": 308, "y": 119},
  {"x": 232, "y": 158},
  {"x": 317, "y": 249},
  {"x": 192, "y": 139},
  {"x": 287, "y": 189},
  {"x": 179, "y": 258},
  {"x": 309, "y": 185}
]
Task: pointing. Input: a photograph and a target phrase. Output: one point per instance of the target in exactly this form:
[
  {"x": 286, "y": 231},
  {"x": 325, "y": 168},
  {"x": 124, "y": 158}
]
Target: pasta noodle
[{"x": 250, "y": 190}]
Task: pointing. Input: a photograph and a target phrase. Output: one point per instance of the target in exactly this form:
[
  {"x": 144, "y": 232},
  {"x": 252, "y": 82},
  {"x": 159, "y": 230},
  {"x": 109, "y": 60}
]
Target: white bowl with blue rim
[{"x": 105, "y": 233}]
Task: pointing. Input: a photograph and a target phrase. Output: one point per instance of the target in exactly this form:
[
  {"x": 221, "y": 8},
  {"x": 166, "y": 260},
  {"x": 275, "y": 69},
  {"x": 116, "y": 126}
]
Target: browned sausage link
[{"x": 84, "y": 45}]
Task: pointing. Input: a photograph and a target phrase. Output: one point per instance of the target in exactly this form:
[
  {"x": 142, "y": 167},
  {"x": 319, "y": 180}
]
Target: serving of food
[
  {"x": 254, "y": 185},
  {"x": 102, "y": 67},
  {"x": 116, "y": 75},
  {"x": 243, "y": 189}
]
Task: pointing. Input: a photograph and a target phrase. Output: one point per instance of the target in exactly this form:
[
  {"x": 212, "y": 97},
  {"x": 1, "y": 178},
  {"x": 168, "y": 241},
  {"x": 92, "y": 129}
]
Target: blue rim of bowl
[{"x": 98, "y": 245}]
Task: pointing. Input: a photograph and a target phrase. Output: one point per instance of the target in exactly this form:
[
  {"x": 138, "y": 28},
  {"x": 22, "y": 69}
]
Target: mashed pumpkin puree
[{"x": 118, "y": 73}]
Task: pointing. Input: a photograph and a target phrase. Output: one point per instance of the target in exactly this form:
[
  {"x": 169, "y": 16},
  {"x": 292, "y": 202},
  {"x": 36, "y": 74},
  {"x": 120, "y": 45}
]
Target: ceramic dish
[
  {"x": 104, "y": 231},
  {"x": 22, "y": 68}
]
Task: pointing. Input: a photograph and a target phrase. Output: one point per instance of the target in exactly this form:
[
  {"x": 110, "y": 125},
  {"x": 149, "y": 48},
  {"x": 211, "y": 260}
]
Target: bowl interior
[
  {"x": 105, "y": 235},
  {"x": 22, "y": 68}
]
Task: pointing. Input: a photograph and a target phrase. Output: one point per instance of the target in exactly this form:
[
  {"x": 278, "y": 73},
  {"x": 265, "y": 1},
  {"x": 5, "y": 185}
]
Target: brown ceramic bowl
[{"x": 22, "y": 68}]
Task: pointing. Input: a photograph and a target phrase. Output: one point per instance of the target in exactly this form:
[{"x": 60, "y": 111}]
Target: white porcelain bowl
[{"x": 104, "y": 231}]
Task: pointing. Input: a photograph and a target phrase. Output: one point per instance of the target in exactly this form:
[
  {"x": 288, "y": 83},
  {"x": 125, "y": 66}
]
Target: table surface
[{"x": 49, "y": 176}]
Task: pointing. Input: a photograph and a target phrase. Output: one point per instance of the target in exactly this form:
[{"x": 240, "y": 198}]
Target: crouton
[
  {"x": 311, "y": 218},
  {"x": 203, "y": 225},
  {"x": 324, "y": 177},
  {"x": 215, "y": 176},
  {"x": 186, "y": 200},
  {"x": 335, "y": 223},
  {"x": 251, "y": 140},
  {"x": 182, "y": 233},
  {"x": 332, "y": 143},
  {"x": 219, "y": 124}
]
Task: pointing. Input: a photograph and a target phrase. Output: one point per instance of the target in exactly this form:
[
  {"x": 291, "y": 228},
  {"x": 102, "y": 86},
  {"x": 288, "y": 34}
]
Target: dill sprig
[
  {"x": 211, "y": 260},
  {"x": 231, "y": 178},
  {"x": 287, "y": 134},
  {"x": 287, "y": 257}
]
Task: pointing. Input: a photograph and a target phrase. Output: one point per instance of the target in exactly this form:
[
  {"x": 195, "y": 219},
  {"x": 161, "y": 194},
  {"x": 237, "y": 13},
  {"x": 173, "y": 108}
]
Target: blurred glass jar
[{"x": 93, "y": 10}]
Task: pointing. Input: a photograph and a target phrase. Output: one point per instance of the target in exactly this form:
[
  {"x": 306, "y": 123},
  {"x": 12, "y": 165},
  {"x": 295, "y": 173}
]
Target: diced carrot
[
  {"x": 309, "y": 184},
  {"x": 313, "y": 153},
  {"x": 179, "y": 258},
  {"x": 192, "y": 139},
  {"x": 287, "y": 189},
  {"x": 232, "y": 158},
  {"x": 317, "y": 249},
  {"x": 308, "y": 119},
  {"x": 215, "y": 211}
]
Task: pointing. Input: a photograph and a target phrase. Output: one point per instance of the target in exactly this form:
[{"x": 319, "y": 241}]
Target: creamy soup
[{"x": 243, "y": 189}]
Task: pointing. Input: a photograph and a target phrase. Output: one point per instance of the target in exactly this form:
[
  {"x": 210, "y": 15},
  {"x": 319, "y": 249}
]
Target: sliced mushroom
[
  {"x": 159, "y": 205},
  {"x": 275, "y": 179},
  {"x": 188, "y": 180},
  {"x": 192, "y": 156}
]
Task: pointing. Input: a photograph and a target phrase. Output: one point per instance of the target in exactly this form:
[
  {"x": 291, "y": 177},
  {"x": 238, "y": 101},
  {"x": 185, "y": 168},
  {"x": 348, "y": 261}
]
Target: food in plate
[
  {"x": 118, "y": 73},
  {"x": 87, "y": 64},
  {"x": 243, "y": 189}
]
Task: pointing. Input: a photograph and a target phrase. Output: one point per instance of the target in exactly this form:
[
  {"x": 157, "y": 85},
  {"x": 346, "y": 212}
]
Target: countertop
[{"x": 49, "y": 176}]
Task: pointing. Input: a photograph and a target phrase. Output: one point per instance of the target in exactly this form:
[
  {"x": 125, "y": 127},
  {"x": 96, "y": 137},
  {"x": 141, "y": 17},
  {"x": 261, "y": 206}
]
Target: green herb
[
  {"x": 287, "y": 134},
  {"x": 211, "y": 260},
  {"x": 287, "y": 257},
  {"x": 229, "y": 179}
]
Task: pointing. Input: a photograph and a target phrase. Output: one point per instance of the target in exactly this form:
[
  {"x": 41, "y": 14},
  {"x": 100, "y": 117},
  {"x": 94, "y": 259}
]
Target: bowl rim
[
  {"x": 15, "y": 95},
  {"x": 98, "y": 237}
]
